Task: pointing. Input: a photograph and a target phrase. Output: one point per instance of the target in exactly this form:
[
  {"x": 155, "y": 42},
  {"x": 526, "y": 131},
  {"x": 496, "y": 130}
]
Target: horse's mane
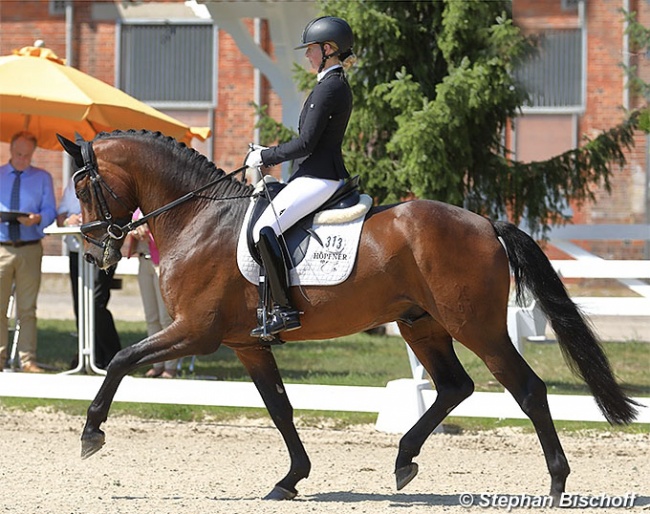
[{"x": 192, "y": 169}]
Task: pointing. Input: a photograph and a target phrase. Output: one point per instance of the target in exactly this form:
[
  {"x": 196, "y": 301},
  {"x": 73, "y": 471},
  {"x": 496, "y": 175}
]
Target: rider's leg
[
  {"x": 284, "y": 316},
  {"x": 299, "y": 198}
]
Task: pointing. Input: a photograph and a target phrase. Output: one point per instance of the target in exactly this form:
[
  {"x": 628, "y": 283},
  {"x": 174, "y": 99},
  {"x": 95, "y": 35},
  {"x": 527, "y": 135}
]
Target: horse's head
[{"x": 102, "y": 189}]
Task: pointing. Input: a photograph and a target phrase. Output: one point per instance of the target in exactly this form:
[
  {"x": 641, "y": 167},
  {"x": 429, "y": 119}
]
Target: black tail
[{"x": 580, "y": 346}]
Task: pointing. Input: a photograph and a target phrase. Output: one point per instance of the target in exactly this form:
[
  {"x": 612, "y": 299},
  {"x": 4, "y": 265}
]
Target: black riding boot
[{"x": 284, "y": 316}]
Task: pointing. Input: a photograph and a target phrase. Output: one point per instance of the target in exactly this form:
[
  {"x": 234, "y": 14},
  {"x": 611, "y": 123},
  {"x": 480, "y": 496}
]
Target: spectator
[
  {"x": 29, "y": 190},
  {"x": 107, "y": 340},
  {"x": 141, "y": 243}
]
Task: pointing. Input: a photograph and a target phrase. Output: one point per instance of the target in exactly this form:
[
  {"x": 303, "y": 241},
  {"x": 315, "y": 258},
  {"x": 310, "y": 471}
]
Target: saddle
[{"x": 297, "y": 237}]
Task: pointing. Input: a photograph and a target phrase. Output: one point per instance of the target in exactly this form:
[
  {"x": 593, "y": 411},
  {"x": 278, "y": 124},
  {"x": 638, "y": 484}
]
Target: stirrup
[{"x": 281, "y": 320}]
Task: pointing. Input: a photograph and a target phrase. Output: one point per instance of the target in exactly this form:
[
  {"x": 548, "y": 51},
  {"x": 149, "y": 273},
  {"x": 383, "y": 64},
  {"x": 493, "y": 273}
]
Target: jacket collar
[{"x": 322, "y": 74}]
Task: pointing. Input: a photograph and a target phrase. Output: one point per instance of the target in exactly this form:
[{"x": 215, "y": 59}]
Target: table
[{"x": 86, "y": 314}]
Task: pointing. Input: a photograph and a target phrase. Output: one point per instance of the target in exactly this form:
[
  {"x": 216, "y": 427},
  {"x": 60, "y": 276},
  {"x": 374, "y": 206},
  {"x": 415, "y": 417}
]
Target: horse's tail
[{"x": 581, "y": 349}]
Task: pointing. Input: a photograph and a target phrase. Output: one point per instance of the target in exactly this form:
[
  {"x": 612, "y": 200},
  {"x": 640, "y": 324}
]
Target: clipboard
[{"x": 11, "y": 215}]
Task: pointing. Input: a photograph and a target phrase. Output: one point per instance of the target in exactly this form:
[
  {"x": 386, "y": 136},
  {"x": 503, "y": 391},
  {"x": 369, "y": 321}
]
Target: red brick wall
[
  {"x": 22, "y": 22},
  {"x": 603, "y": 109}
]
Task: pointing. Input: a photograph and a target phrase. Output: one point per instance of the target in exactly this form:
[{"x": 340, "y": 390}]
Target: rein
[{"x": 113, "y": 229}]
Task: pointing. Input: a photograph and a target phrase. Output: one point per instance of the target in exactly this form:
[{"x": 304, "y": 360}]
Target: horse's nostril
[{"x": 89, "y": 258}]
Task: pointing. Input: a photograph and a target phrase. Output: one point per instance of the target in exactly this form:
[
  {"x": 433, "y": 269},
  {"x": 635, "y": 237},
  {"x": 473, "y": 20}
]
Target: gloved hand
[{"x": 254, "y": 157}]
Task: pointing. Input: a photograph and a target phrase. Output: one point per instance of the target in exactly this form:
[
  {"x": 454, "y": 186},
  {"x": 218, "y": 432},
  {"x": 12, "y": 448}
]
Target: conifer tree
[{"x": 434, "y": 89}]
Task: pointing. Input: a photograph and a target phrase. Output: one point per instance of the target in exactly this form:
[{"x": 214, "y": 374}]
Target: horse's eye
[{"x": 83, "y": 195}]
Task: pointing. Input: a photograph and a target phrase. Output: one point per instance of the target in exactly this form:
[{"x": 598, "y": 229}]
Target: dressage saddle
[{"x": 297, "y": 236}]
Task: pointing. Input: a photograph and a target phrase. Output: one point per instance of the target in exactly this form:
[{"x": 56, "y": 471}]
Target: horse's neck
[{"x": 199, "y": 219}]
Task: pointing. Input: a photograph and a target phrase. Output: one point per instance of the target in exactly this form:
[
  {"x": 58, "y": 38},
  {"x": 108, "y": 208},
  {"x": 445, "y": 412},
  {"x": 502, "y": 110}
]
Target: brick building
[
  {"x": 149, "y": 49},
  {"x": 581, "y": 90}
]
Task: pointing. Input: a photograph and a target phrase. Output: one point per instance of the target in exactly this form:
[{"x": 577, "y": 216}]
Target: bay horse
[{"x": 440, "y": 271}]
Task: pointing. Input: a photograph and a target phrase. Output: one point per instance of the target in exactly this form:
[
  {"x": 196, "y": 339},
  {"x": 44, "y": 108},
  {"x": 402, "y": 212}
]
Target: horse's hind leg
[
  {"x": 509, "y": 368},
  {"x": 261, "y": 366},
  {"x": 432, "y": 345}
]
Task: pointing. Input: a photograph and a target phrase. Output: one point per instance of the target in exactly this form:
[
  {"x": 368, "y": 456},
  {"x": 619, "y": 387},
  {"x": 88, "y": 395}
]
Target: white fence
[{"x": 401, "y": 402}]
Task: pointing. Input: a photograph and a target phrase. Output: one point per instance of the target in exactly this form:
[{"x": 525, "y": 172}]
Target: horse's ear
[{"x": 73, "y": 149}]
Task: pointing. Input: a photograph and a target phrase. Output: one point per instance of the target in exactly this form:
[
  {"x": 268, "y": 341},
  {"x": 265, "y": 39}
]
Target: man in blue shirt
[{"x": 29, "y": 190}]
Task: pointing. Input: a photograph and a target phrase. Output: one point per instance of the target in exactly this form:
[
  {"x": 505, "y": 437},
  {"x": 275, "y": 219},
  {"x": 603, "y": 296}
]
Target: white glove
[{"x": 254, "y": 157}]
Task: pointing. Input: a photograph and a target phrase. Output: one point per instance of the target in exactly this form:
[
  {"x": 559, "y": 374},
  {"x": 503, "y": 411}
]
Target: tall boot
[{"x": 284, "y": 316}]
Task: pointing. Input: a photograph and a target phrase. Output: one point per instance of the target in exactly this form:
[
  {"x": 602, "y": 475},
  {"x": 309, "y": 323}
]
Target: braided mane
[{"x": 187, "y": 168}]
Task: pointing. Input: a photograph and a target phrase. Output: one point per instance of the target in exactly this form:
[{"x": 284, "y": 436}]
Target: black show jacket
[{"x": 323, "y": 121}]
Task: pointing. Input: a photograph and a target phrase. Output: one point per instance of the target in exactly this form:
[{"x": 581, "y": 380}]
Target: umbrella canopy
[{"x": 40, "y": 94}]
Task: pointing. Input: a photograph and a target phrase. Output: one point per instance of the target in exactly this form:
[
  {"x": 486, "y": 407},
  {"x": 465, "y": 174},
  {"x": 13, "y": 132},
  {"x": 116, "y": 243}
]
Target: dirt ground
[{"x": 162, "y": 467}]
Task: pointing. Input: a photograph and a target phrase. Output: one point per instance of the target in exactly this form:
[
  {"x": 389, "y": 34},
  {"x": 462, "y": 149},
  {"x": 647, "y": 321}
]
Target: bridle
[
  {"x": 119, "y": 228},
  {"x": 113, "y": 230}
]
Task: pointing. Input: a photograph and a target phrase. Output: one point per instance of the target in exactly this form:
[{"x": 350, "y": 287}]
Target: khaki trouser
[
  {"x": 155, "y": 312},
  {"x": 21, "y": 266}
]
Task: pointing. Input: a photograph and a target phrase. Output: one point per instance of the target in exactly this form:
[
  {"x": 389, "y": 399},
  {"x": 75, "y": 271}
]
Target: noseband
[
  {"x": 120, "y": 228},
  {"x": 113, "y": 230}
]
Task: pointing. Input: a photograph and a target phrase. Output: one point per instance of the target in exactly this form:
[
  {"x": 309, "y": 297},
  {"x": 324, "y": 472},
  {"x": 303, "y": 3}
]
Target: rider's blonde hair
[{"x": 349, "y": 61}]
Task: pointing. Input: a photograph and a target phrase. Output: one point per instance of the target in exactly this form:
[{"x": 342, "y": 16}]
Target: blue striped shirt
[{"x": 36, "y": 196}]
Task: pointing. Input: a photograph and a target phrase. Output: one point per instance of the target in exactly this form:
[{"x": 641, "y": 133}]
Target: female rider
[{"x": 323, "y": 121}]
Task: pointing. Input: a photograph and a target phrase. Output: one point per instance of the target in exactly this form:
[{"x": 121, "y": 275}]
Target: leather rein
[{"x": 118, "y": 229}]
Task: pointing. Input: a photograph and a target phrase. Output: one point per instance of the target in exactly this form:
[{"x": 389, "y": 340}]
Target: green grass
[{"x": 361, "y": 360}]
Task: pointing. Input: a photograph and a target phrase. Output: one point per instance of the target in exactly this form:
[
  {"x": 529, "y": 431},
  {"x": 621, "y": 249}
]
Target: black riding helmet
[{"x": 328, "y": 28}]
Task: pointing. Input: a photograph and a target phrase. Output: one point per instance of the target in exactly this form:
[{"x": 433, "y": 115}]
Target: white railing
[{"x": 58, "y": 264}]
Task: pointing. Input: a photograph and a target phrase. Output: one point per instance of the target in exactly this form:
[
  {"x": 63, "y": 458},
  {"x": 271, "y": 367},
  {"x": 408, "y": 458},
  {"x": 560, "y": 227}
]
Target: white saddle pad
[{"x": 325, "y": 265}]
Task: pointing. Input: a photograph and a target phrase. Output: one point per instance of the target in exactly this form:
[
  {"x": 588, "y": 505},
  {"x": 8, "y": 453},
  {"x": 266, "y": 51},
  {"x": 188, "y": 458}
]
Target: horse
[{"x": 440, "y": 271}]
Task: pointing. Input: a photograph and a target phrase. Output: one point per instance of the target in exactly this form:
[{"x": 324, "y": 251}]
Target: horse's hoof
[
  {"x": 405, "y": 475},
  {"x": 92, "y": 444},
  {"x": 280, "y": 493}
]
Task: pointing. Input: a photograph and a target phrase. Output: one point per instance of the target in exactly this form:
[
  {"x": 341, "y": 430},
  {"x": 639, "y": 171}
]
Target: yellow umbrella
[{"x": 40, "y": 94}]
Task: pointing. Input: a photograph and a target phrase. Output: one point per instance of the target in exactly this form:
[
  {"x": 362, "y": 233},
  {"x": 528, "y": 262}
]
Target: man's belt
[{"x": 18, "y": 244}]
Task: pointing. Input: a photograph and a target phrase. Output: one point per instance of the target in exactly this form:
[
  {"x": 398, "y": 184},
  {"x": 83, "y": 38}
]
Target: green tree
[
  {"x": 640, "y": 43},
  {"x": 434, "y": 88}
]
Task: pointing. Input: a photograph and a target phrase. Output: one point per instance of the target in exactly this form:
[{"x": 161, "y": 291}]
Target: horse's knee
[
  {"x": 453, "y": 390},
  {"x": 463, "y": 389},
  {"x": 122, "y": 361}
]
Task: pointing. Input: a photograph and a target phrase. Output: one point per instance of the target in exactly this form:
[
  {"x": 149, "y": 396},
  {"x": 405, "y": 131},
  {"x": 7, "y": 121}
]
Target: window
[
  {"x": 168, "y": 64},
  {"x": 554, "y": 77},
  {"x": 570, "y": 5},
  {"x": 57, "y": 7}
]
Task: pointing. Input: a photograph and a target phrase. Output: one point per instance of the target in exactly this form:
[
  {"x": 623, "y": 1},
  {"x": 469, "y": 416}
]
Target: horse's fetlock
[{"x": 405, "y": 455}]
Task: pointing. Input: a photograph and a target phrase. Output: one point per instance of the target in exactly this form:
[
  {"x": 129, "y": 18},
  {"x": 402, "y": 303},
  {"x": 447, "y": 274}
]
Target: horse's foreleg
[
  {"x": 157, "y": 348},
  {"x": 432, "y": 346},
  {"x": 261, "y": 366},
  {"x": 510, "y": 368}
]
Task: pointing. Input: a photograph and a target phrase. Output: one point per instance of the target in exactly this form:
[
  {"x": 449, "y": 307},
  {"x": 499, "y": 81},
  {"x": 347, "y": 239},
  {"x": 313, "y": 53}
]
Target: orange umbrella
[{"x": 40, "y": 94}]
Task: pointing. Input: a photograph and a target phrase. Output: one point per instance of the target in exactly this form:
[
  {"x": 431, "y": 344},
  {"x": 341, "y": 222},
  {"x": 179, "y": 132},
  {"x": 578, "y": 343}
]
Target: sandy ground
[{"x": 206, "y": 467}]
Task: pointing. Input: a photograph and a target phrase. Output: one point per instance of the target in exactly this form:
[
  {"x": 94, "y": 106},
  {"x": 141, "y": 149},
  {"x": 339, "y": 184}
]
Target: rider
[{"x": 323, "y": 121}]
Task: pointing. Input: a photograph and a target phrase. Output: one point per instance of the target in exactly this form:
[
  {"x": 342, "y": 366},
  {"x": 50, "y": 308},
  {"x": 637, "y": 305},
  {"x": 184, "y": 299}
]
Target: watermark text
[{"x": 508, "y": 502}]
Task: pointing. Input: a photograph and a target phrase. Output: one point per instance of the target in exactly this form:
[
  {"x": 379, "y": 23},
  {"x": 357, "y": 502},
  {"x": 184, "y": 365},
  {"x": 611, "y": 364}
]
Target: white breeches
[{"x": 298, "y": 198}]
